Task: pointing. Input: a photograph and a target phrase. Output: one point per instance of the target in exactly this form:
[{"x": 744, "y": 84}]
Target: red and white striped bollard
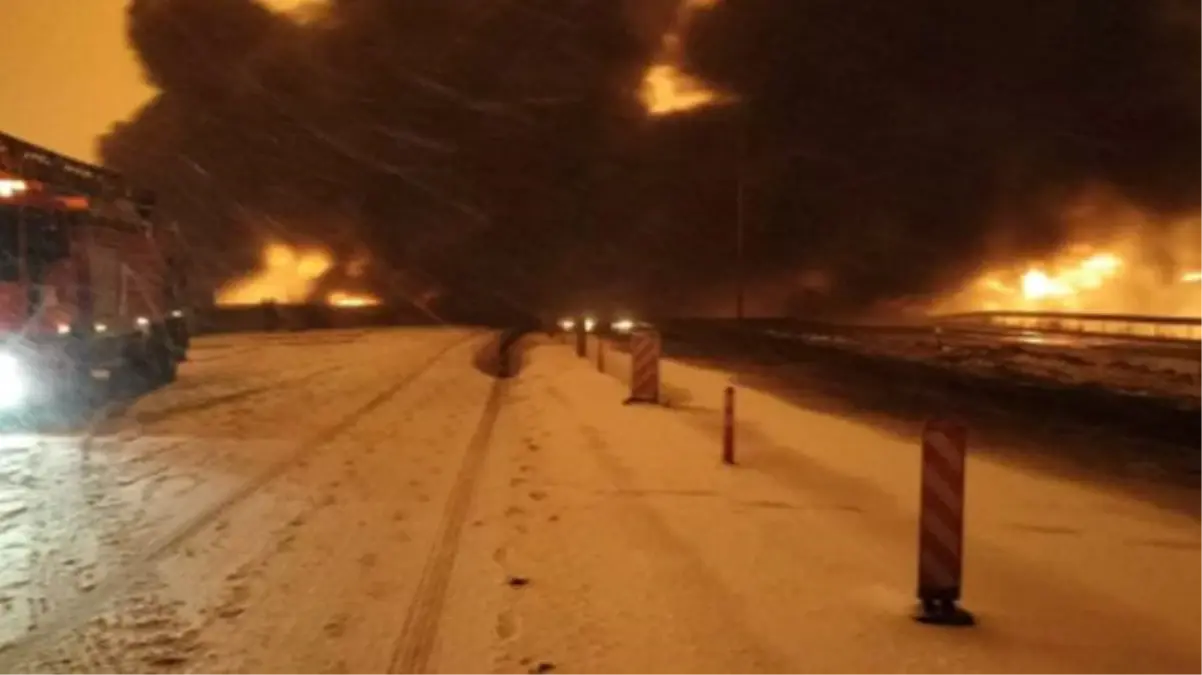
[
  {"x": 941, "y": 524},
  {"x": 644, "y": 366}
]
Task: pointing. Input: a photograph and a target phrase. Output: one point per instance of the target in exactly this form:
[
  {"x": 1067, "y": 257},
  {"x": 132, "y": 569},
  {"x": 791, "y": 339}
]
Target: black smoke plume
[
  {"x": 918, "y": 127},
  {"x": 499, "y": 147}
]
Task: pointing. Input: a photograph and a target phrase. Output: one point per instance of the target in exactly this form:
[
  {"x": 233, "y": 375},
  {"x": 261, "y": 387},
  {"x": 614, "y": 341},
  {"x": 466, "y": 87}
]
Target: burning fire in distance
[
  {"x": 1137, "y": 269},
  {"x": 291, "y": 275},
  {"x": 666, "y": 89},
  {"x": 344, "y": 299}
]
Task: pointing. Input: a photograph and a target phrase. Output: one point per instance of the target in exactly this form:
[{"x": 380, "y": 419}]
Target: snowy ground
[
  {"x": 133, "y": 544},
  {"x": 370, "y": 501},
  {"x": 1169, "y": 369}
]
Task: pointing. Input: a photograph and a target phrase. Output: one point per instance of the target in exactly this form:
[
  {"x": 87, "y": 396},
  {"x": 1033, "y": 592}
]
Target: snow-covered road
[
  {"x": 819, "y": 564},
  {"x": 367, "y": 501},
  {"x": 135, "y": 544}
]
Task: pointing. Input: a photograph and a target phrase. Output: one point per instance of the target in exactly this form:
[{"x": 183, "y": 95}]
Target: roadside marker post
[
  {"x": 728, "y": 426},
  {"x": 581, "y": 340},
  {"x": 644, "y": 366},
  {"x": 941, "y": 524},
  {"x": 271, "y": 316},
  {"x": 600, "y": 354}
]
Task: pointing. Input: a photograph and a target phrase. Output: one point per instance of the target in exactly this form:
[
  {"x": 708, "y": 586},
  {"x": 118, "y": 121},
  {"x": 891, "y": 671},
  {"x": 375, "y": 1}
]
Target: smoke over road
[
  {"x": 891, "y": 148},
  {"x": 931, "y": 135}
]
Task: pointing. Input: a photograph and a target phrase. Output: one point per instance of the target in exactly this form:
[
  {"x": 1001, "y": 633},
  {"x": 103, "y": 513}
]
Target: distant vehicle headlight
[
  {"x": 622, "y": 325},
  {"x": 589, "y": 324},
  {"x": 14, "y": 383},
  {"x": 567, "y": 324}
]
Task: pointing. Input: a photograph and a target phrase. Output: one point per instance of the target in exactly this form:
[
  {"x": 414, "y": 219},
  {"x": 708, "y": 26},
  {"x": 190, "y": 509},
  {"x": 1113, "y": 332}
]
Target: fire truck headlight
[{"x": 13, "y": 382}]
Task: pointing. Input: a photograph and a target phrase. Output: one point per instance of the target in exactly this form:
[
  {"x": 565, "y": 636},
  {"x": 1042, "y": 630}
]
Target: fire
[
  {"x": 1066, "y": 283},
  {"x": 299, "y": 11},
  {"x": 1124, "y": 260},
  {"x": 1038, "y": 285},
  {"x": 666, "y": 88},
  {"x": 1080, "y": 280},
  {"x": 344, "y": 299},
  {"x": 1075, "y": 277},
  {"x": 287, "y": 275}
]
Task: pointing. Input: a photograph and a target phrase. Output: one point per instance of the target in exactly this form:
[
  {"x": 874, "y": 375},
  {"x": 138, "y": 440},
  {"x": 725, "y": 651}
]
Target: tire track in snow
[
  {"x": 114, "y": 413},
  {"x": 415, "y": 644},
  {"x": 118, "y": 413},
  {"x": 77, "y": 613}
]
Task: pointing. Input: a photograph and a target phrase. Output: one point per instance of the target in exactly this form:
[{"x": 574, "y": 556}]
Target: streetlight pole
[{"x": 740, "y": 203}]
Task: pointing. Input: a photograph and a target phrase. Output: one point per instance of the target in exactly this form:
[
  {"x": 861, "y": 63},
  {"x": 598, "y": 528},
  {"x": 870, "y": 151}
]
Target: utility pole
[{"x": 740, "y": 203}]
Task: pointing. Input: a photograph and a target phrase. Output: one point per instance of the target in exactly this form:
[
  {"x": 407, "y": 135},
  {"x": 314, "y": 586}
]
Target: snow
[
  {"x": 345, "y": 501},
  {"x": 1171, "y": 369},
  {"x": 149, "y": 510},
  {"x": 802, "y": 557}
]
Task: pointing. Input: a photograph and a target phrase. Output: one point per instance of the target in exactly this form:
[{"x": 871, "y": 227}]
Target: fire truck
[{"x": 90, "y": 288}]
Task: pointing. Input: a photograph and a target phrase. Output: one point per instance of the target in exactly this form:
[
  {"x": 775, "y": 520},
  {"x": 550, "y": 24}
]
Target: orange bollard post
[
  {"x": 581, "y": 341},
  {"x": 728, "y": 426},
  {"x": 941, "y": 524}
]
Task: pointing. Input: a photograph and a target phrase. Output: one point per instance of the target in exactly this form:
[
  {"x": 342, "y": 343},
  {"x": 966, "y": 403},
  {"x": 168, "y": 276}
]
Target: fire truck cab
[{"x": 89, "y": 285}]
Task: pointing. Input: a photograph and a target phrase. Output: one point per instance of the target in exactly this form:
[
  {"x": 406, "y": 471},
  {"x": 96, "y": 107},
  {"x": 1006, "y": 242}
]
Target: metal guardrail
[{"x": 1130, "y": 326}]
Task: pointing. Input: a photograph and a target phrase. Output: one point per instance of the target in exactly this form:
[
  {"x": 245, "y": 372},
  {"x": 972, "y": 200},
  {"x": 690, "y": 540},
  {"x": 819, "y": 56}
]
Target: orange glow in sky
[
  {"x": 76, "y": 76},
  {"x": 68, "y": 72}
]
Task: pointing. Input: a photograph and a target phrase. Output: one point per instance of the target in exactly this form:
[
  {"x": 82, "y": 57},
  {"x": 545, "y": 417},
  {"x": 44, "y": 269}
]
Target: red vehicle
[{"x": 88, "y": 283}]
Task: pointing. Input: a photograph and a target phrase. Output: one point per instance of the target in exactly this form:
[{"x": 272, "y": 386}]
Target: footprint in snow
[
  {"x": 336, "y": 626},
  {"x": 506, "y": 626}
]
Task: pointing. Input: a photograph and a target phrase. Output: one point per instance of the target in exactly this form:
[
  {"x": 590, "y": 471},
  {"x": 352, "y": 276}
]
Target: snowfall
[{"x": 370, "y": 501}]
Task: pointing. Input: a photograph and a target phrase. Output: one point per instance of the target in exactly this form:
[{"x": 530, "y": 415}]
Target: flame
[
  {"x": 1123, "y": 260},
  {"x": 1059, "y": 284},
  {"x": 1038, "y": 285},
  {"x": 665, "y": 88},
  {"x": 995, "y": 284},
  {"x": 299, "y": 11},
  {"x": 345, "y": 299},
  {"x": 1075, "y": 281},
  {"x": 1088, "y": 274},
  {"x": 287, "y": 275}
]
